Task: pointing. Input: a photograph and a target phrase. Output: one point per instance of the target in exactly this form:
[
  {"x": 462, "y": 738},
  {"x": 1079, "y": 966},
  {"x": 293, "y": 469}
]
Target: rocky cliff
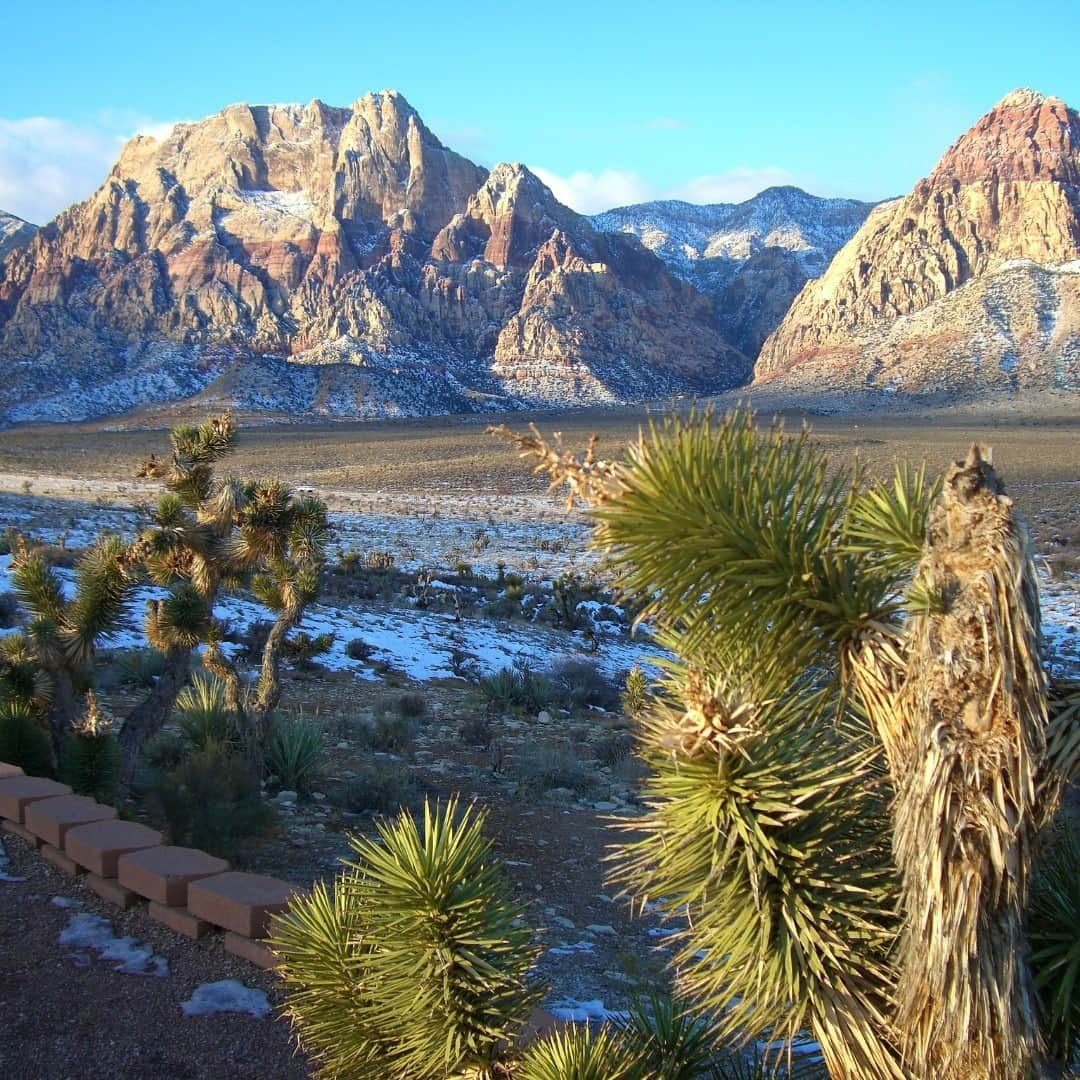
[
  {"x": 751, "y": 258},
  {"x": 14, "y": 233},
  {"x": 310, "y": 259},
  {"x": 971, "y": 283}
]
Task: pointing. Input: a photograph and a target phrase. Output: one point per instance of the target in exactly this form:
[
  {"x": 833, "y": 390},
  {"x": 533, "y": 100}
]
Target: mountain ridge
[
  {"x": 334, "y": 252},
  {"x": 751, "y": 258},
  {"x": 969, "y": 284}
]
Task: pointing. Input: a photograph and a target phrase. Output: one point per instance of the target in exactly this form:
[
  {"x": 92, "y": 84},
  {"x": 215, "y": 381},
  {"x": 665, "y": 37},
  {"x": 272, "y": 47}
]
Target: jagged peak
[{"x": 1022, "y": 97}]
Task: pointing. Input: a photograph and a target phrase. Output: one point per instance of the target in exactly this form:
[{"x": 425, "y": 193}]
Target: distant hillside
[
  {"x": 752, "y": 258},
  {"x": 14, "y": 233},
  {"x": 969, "y": 285}
]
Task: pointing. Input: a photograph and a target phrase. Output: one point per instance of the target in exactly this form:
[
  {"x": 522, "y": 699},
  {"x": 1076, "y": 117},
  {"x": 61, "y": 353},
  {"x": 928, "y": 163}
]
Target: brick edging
[{"x": 146, "y": 868}]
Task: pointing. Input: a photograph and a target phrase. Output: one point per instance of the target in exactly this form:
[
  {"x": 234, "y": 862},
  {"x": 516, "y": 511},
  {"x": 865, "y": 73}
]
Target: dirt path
[{"x": 68, "y": 1014}]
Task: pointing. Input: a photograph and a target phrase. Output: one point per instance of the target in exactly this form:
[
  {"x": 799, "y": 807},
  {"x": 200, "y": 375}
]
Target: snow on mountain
[
  {"x": 14, "y": 232},
  {"x": 751, "y": 258},
  {"x": 684, "y": 234}
]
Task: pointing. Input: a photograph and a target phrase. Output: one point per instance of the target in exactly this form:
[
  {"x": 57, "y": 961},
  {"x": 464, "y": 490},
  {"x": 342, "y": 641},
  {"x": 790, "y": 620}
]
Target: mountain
[
  {"x": 968, "y": 285},
  {"x": 343, "y": 262},
  {"x": 752, "y": 257},
  {"x": 14, "y": 233}
]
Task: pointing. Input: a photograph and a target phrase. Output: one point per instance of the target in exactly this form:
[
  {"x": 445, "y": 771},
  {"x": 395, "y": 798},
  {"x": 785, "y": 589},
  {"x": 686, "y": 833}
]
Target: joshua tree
[
  {"x": 206, "y": 536},
  {"x": 857, "y": 751}
]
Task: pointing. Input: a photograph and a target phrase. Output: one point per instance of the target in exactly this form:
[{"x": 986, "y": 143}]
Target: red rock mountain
[
  {"x": 310, "y": 259},
  {"x": 969, "y": 284}
]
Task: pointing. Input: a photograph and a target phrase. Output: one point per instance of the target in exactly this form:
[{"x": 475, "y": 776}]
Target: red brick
[
  {"x": 254, "y": 952},
  {"x": 9, "y": 770},
  {"x": 178, "y": 919},
  {"x": 51, "y": 818},
  {"x": 60, "y": 860},
  {"x": 242, "y": 903},
  {"x": 112, "y": 891},
  {"x": 18, "y": 792},
  {"x": 99, "y": 845},
  {"x": 162, "y": 874},
  {"x": 20, "y": 831}
]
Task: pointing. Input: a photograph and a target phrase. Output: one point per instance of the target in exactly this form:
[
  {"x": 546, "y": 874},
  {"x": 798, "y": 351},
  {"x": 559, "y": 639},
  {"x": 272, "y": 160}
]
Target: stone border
[{"x": 146, "y": 870}]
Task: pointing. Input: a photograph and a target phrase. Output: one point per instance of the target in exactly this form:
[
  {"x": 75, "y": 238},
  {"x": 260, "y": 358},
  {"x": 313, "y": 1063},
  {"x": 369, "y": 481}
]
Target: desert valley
[{"x": 395, "y": 607}]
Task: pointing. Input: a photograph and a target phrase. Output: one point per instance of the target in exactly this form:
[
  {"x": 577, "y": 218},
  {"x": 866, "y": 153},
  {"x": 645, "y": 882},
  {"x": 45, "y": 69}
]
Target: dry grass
[{"x": 1037, "y": 452}]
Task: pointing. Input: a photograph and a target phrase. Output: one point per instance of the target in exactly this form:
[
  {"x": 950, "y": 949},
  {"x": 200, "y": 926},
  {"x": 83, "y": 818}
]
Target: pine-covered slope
[
  {"x": 969, "y": 284},
  {"x": 319, "y": 260}
]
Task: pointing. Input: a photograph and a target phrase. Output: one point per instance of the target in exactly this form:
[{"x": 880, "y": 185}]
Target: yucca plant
[
  {"x": 580, "y": 1053},
  {"x": 90, "y": 762},
  {"x": 853, "y": 756},
  {"x": 1055, "y": 938},
  {"x": 635, "y": 695},
  {"x": 201, "y": 713},
  {"x": 23, "y": 741},
  {"x": 414, "y": 964},
  {"x": 293, "y": 751},
  {"x": 669, "y": 1039}
]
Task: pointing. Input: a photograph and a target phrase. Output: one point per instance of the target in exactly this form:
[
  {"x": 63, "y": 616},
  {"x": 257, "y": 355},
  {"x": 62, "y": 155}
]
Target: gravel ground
[{"x": 65, "y": 1020}]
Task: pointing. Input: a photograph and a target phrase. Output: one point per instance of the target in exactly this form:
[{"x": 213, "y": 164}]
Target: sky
[{"x": 609, "y": 103}]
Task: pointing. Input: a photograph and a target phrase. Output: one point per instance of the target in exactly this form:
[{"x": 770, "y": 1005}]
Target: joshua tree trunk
[
  {"x": 960, "y": 702},
  {"x": 63, "y": 712},
  {"x": 147, "y": 718}
]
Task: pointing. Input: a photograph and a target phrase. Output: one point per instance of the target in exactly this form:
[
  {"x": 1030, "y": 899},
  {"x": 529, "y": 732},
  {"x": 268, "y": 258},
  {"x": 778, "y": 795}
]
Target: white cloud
[
  {"x": 735, "y": 185},
  {"x": 47, "y": 163},
  {"x": 589, "y": 193}
]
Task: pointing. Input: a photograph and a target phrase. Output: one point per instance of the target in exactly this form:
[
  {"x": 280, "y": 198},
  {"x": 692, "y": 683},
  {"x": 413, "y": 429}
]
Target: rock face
[
  {"x": 14, "y": 233},
  {"x": 310, "y": 259},
  {"x": 970, "y": 283},
  {"x": 751, "y": 258}
]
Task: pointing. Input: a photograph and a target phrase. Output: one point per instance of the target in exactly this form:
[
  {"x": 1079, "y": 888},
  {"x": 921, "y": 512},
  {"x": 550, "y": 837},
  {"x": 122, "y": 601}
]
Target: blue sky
[{"x": 611, "y": 103}]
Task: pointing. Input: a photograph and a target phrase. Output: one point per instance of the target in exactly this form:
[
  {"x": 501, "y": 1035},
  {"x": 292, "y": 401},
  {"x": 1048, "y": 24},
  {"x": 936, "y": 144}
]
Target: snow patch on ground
[
  {"x": 86, "y": 931},
  {"x": 584, "y": 1012},
  {"x": 228, "y": 995},
  {"x": 5, "y": 862}
]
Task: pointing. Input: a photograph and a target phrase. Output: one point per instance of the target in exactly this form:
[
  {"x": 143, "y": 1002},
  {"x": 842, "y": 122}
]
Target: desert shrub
[
  {"x": 302, "y": 648},
  {"x": 613, "y": 748},
  {"x": 579, "y": 1053},
  {"x": 378, "y": 560},
  {"x": 389, "y": 732},
  {"x": 549, "y": 766},
  {"x": 201, "y": 712},
  {"x": 348, "y": 561},
  {"x": 165, "y": 751},
  {"x": 580, "y": 683},
  {"x": 209, "y": 800},
  {"x": 293, "y": 752},
  {"x": 359, "y": 649},
  {"x": 508, "y": 605},
  {"x": 412, "y": 705},
  {"x": 377, "y": 790},
  {"x": 139, "y": 667},
  {"x": 23, "y": 741},
  {"x": 415, "y": 963},
  {"x": 477, "y": 730},
  {"x": 90, "y": 763},
  {"x": 10, "y": 612},
  {"x": 517, "y": 687}
]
